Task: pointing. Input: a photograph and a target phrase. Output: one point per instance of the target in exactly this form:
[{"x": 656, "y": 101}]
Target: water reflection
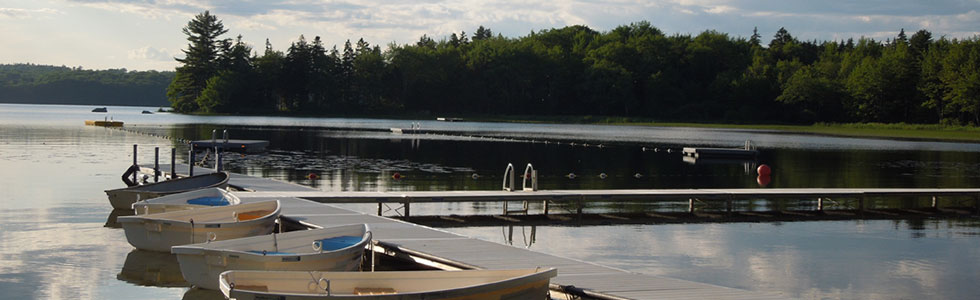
[
  {"x": 151, "y": 268},
  {"x": 811, "y": 260},
  {"x": 111, "y": 221}
]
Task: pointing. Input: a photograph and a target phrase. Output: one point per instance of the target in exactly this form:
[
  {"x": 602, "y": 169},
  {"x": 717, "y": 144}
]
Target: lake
[{"x": 53, "y": 170}]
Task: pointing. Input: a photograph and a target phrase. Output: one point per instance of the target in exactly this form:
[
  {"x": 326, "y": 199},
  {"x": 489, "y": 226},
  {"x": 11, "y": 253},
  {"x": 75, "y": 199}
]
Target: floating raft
[
  {"x": 720, "y": 152},
  {"x": 104, "y": 123},
  {"x": 244, "y": 146}
]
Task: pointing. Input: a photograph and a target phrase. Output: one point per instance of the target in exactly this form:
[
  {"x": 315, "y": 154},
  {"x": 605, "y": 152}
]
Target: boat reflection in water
[
  {"x": 149, "y": 268},
  {"x": 111, "y": 221},
  {"x": 202, "y": 294}
]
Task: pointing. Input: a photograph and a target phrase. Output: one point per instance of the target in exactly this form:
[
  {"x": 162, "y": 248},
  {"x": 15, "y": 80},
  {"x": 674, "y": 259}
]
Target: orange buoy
[
  {"x": 763, "y": 170},
  {"x": 312, "y": 176},
  {"x": 396, "y": 176}
]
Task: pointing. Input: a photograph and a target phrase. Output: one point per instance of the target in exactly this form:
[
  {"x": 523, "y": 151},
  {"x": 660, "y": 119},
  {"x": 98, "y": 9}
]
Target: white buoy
[
  {"x": 570, "y": 175},
  {"x": 603, "y": 175}
]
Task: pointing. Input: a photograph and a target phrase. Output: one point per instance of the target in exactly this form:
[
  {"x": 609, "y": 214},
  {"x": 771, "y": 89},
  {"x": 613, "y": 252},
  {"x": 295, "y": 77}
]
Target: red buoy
[
  {"x": 396, "y": 176},
  {"x": 312, "y": 176},
  {"x": 764, "y": 170}
]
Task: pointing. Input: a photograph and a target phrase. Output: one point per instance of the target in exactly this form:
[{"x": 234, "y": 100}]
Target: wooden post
[
  {"x": 408, "y": 209},
  {"x": 935, "y": 203},
  {"x": 156, "y": 164},
  {"x": 545, "y": 207},
  {"x": 819, "y": 204},
  {"x": 190, "y": 161},
  {"x": 135, "y": 180},
  {"x": 173, "y": 163},
  {"x": 690, "y": 205},
  {"x": 379, "y": 209}
]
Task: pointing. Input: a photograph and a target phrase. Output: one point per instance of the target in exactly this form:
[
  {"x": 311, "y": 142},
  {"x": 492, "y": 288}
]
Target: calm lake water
[{"x": 53, "y": 170}]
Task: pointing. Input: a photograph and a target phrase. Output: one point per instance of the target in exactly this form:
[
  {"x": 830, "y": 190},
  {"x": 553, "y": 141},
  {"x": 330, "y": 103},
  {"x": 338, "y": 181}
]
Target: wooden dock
[
  {"x": 719, "y": 152},
  {"x": 446, "y": 250}
]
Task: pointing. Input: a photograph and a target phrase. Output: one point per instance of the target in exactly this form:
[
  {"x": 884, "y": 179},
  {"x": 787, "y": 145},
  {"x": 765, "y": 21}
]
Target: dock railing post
[
  {"x": 135, "y": 164},
  {"x": 156, "y": 164},
  {"x": 173, "y": 163},
  {"x": 217, "y": 163},
  {"x": 190, "y": 161}
]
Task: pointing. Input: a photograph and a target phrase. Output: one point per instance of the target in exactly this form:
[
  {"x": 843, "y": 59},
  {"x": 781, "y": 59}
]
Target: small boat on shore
[
  {"x": 401, "y": 285},
  {"x": 327, "y": 249},
  {"x": 187, "y": 200},
  {"x": 124, "y": 198},
  {"x": 100, "y": 109},
  {"x": 159, "y": 232}
]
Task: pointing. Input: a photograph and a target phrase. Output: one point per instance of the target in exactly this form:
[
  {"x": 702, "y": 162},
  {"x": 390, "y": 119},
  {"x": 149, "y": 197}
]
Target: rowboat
[
  {"x": 402, "y": 285},
  {"x": 186, "y": 200},
  {"x": 159, "y": 232},
  {"x": 327, "y": 249},
  {"x": 125, "y": 197}
]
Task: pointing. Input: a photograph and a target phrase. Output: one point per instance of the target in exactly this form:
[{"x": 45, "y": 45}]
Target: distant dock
[
  {"x": 243, "y": 146},
  {"x": 106, "y": 123}
]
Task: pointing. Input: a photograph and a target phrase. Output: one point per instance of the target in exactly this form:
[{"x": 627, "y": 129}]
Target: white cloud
[
  {"x": 150, "y": 53},
  {"x": 23, "y": 13}
]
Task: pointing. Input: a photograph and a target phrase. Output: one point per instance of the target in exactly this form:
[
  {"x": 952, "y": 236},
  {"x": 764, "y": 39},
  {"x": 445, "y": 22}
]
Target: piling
[
  {"x": 173, "y": 163},
  {"x": 135, "y": 178},
  {"x": 156, "y": 164}
]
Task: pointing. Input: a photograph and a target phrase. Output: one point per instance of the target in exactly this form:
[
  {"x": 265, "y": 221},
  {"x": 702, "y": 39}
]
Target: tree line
[
  {"x": 30, "y": 83},
  {"x": 634, "y": 71}
]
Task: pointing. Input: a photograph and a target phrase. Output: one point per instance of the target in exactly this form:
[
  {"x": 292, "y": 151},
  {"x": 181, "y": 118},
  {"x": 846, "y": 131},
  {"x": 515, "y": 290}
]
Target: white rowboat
[
  {"x": 125, "y": 197},
  {"x": 403, "y": 285},
  {"x": 159, "y": 232},
  {"x": 327, "y": 249},
  {"x": 186, "y": 200}
]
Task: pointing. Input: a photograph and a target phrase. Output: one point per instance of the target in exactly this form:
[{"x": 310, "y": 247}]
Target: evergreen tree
[{"x": 200, "y": 61}]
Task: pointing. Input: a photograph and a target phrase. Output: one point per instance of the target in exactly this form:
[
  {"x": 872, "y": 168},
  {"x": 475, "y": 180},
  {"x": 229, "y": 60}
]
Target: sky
[{"x": 146, "y": 34}]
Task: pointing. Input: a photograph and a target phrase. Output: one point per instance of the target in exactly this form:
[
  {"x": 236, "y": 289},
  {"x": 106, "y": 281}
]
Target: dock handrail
[
  {"x": 530, "y": 174},
  {"x": 508, "y": 176}
]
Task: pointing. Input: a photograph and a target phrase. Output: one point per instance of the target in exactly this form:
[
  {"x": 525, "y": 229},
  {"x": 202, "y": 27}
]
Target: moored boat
[
  {"x": 402, "y": 285},
  {"x": 159, "y": 232},
  {"x": 187, "y": 200},
  {"x": 124, "y": 198},
  {"x": 327, "y": 249}
]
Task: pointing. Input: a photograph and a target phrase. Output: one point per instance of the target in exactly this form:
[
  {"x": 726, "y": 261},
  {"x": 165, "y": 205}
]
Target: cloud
[
  {"x": 22, "y": 13},
  {"x": 150, "y": 53}
]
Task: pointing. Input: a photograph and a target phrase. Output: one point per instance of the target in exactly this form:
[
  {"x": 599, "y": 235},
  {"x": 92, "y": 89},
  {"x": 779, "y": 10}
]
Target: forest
[{"x": 30, "y": 83}]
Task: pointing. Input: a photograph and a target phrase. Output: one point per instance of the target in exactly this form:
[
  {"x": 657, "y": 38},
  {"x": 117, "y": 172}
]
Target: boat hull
[
  {"x": 201, "y": 264},
  {"x": 401, "y": 285},
  {"x": 159, "y": 232},
  {"x": 125, "y": 197}
]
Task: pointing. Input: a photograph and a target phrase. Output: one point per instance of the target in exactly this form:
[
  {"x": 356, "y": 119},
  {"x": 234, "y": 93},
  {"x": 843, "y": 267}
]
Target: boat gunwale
[
  {"x": 200, "y": 249},
  {"x": 155, "y": 218},
  {"x": 546, "y": 274}
]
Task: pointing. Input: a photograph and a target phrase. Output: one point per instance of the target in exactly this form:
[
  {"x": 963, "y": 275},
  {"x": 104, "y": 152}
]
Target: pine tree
[{"x": 200, "y": 62}]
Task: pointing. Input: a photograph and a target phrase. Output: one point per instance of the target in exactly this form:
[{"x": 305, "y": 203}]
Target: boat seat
[
  {"x": 251, "y": 215},
  {"x": 209, "y": 201},
  {"x": 338, "y": 242},
  {"x": 260, "y": 288},
  {"x": 373, "y": 291}
]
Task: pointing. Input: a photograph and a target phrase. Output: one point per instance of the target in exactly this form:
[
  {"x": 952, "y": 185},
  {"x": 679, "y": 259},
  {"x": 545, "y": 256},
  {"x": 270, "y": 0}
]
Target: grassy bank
[{"x": 875, "y": 130}]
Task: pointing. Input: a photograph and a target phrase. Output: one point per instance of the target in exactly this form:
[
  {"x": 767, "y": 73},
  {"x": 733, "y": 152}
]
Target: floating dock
[
  {"x": 720, "y": 152},
  {"x": 449, "y": 251},
  {"x": 243, "y": 146},
  {"x": 104, "y": 123}
]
